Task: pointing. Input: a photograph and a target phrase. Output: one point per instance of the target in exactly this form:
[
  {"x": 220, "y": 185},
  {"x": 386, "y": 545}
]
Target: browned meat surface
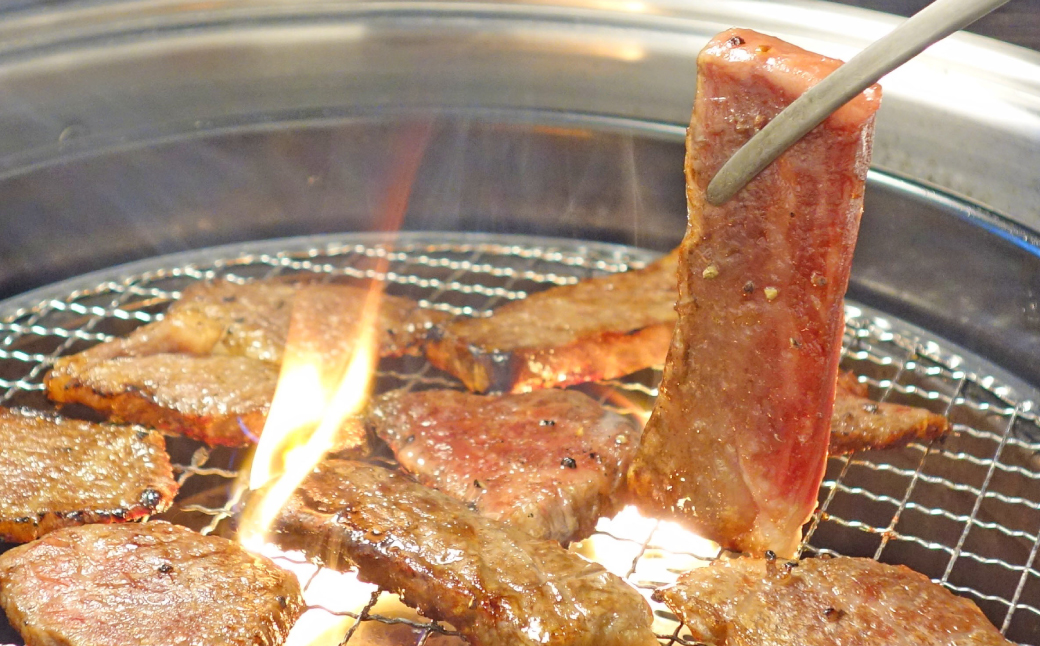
[
  {"x": 325, "y": 317},
  {"x": 211, "y": 364},
  {"x": 599, "y": 328},
  {"x": 842, "y": 600},
  {"x": 493, "y": 583},
  {"x": 859, "y": 424},
  {"x": 56, "y": 472},
  {"x": 470, "y": 350},
  {"x": 253, "y": 319},
  {"x": 204, "y": 398},
  {"x": 737, "y": 442},
  {"x": 549, "y": 462},
  {"x": 219, "y": 317},
  {"x": 145, "y": 584}
]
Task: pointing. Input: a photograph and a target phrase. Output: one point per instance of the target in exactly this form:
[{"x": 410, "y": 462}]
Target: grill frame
[{"x": 994, "y": 413}]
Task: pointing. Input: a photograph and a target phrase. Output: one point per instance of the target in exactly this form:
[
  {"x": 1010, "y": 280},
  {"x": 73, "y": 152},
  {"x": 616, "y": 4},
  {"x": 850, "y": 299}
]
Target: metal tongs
[{"x": 933, "y": 23}]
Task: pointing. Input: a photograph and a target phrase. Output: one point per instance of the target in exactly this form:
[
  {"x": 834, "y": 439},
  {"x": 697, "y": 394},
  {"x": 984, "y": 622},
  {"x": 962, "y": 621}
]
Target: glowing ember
[
  {"x": 326, "y": 372},
  {"x": 620, "y": 541},
  {"x": 332, "y": 598}
]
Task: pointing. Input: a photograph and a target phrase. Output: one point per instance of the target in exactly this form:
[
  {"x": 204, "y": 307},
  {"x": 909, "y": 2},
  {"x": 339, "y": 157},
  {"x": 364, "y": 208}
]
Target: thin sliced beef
[
  {"x": 823, "y": 601},
  {"x": 212, "y": 317},
  {"x": 145, "y": 584},
  {"x": 206, "y": 398},
  {"x": 535, "y": 343},
  {"x": 493, "y": 583},
  {"x": 859, "y": 424},
  {"x": 56, "y": 472},
  {"x": 737, "y": 442},
  {"x": 549, "y": 462},
  {"x": 210, "y": 366},
  {"x": 599, "y": 328},
  {"x": 326, "y": 318}
]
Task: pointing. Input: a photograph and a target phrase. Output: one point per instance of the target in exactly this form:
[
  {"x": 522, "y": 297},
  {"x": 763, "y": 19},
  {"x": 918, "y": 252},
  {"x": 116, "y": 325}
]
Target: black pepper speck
[{"x": 151, "y": 498}]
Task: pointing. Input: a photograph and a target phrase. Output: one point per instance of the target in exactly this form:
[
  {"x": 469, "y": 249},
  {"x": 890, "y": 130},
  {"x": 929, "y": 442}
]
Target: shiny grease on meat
[
  {"x": 859, "y": 424},
  {"x": 823, "y": 601},
  {"x": 146, "y": 584},
  {"x": 56, "y": 472},
  {"x": 737, "y": 442},
  {"x": 598, "y": 328},
  {"x": 211, "y": 364},
  {"x": 493, "y": 583},
  {"x": 507, "y": 351},
  {"x": 550, "y": 463},
  {"x": 206, "y": 398}
]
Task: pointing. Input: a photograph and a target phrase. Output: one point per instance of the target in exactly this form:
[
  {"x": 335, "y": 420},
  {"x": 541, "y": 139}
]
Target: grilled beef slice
[
  {"x": 145, "y": 584},
  {"x": 840, "y": 600},
  {"x": 211, "y": 364},
  {"x": 737, "y": 442},
  {"x": 493, "y": 583},
  {"x": 859, "y": 424},
  {"x": 206, "y": 398},
  {"x": 549, "y": 462},
  {"x": 599, "y": 328},
  {"x": 507, "y": 351},
  {"x": 56, "y": 472}
]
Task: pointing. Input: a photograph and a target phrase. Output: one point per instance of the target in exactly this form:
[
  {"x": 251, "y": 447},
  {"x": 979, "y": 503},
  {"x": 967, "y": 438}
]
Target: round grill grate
[{"x": 965, "y": 511}]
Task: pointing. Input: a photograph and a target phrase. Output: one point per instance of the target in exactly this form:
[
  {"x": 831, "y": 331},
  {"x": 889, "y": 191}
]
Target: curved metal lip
[
  {"x": 91, "y": 146},
  {"x": 88, "y": 147},
  {"x": 1014, "y": 390},
  {"x": 1002, "y": 80},
  {"x": 29, "y": 30},
  {"x": 963, "y": 208}
]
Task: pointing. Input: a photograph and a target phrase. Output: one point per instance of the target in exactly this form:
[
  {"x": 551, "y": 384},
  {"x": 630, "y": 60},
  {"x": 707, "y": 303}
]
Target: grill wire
[{"x": 964, "y": 511}]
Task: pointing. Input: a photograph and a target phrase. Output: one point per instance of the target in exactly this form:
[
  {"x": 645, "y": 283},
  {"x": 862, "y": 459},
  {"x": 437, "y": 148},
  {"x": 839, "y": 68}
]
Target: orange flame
[
  {"x": 318, "y": 391},
  {"x": 321, "y": 387}
]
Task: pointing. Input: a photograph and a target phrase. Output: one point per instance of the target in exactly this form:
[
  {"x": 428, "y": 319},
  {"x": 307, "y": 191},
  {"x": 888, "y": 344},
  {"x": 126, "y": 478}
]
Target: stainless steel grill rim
[{"x": 966, "y": 512}]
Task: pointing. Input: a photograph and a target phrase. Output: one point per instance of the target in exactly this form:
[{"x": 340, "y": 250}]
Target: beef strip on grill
[
  {"x": 859, "y": 424},
  {"x": 145, "y": 584},
  {"x": 507, "y": 350},
  {"x": 823, "y": 601},
  {"x": 737, "y": 443},
  {"x": 599, "y": 328},
  {"x": 211, "y": 364},
  {"x": 493, "y": 583},
  {"x": 56, "y": 472},
  {"x": 206, "y": 398},
  {"x": 550, "y": 463}
]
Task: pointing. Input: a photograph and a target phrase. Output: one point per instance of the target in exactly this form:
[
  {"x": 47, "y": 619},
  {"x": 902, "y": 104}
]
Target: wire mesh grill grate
[{"x": 966, "y": 511}]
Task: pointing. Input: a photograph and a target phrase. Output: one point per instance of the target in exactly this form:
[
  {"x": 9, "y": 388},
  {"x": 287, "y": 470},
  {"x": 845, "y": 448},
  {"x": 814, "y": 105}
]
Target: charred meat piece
[
  {"x": 493, "y": 583},
  {"x": 148, "y": 584},
  {"x": 253, "y": 319},
  {"x": 470, "y": 349},
  {"x": 213, "y": 317},
  {"x": 205, "y": 398},
  {"x": 737, "y": 442},
  {"x": 822, "y": 601},
  {"x": 599, "y": 328},
  {"x": 859, "y": 424},
  {"x": 210, "y": 366},
  {"x": 56, "y": 472},
  {"x": 326, "y": 318},
  {"x": 549, "y": 462}
]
